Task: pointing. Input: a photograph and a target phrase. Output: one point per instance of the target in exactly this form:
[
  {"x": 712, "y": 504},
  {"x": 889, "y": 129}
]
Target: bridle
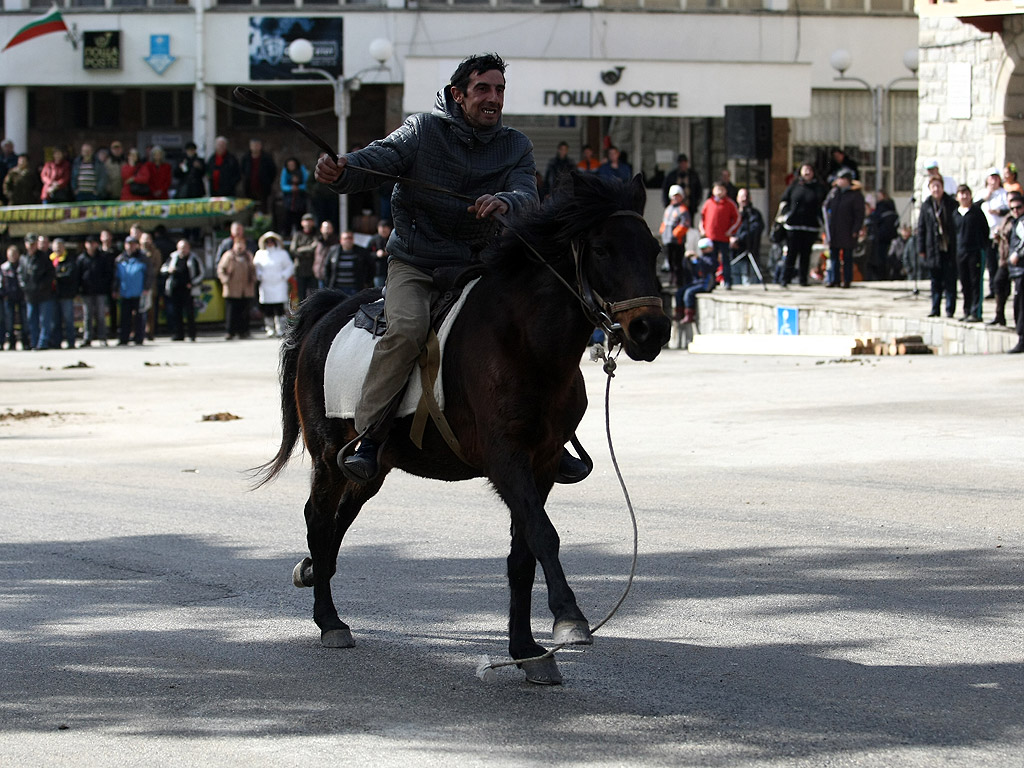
[{"x": 597, "y": 310}]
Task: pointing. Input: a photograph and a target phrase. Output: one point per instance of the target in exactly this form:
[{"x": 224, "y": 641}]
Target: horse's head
[{"x": 617, "y": 268}]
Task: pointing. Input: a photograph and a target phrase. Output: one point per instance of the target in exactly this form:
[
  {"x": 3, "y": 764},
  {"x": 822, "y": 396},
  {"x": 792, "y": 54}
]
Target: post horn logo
[{"x": 612, "y": 76}]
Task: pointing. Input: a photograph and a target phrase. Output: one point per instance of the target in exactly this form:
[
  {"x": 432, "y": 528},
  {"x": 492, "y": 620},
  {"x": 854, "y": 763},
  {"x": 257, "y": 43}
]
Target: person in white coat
[{"x": 273, "y": 268}]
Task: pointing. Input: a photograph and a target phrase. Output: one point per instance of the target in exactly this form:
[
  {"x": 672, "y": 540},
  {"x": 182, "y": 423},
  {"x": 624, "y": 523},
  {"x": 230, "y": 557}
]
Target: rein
[{"x": 596, "y": 309}]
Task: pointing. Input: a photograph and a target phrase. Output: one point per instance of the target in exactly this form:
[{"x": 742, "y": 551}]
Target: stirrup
[
  {"x": 572, "y": 470},
  {"x": 347, "y": 452}
]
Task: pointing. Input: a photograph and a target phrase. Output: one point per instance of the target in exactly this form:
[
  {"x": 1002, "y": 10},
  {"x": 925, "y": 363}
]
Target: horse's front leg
[{"x": 532, "y": 527}]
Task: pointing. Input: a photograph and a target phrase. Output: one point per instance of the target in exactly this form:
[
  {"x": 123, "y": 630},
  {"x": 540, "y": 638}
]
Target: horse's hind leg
[
  {"x": 522, "y": 566},
  {"x": 332, "y": 506}
]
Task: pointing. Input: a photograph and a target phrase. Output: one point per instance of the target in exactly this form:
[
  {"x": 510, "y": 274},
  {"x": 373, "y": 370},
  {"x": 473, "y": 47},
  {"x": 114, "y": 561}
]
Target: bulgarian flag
[{"x": 51, "y": 22}]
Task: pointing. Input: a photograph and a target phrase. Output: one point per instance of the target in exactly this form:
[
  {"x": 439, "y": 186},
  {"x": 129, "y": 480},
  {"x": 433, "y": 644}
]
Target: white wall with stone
[{"x": 966, "y": 146}]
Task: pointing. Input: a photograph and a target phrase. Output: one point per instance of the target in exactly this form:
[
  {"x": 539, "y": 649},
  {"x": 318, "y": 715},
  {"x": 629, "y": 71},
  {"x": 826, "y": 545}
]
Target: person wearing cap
[
  {"x": 273, "y": 269},
  {"x": 837, "y": 161},
  {"x": 995, "y": 205},
  {"x": 131, "y": 273},
  {"x": 113, "y": 163},
  {"x": 96, "y": 275},
  {"x": 844, "y": 216},
  {"x": 37, "y": 279},
  {"x": 675, "y": 223},
  {"x": 303, "y": 250},
  {"x": 936, "y": 245},
  {"x": 701, "y": 279},
  {"x": 931, "y": 169}
]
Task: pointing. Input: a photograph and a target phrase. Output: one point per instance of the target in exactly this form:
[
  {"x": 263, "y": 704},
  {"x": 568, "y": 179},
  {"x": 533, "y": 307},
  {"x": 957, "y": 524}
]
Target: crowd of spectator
[
  {"x": 122, "y": 288},
  {"x": 117, "y": 172},
  {"x": 958, "y": 234}
]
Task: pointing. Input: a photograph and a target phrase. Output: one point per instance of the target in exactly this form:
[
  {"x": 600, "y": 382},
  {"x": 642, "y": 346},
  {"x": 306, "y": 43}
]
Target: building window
[
  {"x": 846, "y": 119},
  {"x": 106, "y": 109},
  {"x": 241, "y": 116}
]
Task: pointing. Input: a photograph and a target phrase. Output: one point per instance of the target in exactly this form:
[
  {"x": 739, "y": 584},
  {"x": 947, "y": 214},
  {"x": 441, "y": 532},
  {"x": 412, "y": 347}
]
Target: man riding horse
[{"x": 463, "y": 147}]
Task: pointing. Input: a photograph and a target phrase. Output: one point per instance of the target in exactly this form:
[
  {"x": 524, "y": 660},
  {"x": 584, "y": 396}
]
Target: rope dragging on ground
[{"x": 485, "y": 667}]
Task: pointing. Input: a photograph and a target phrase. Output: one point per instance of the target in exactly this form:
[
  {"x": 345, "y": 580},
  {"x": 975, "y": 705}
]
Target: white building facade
[{"x": 652, "y": 76}]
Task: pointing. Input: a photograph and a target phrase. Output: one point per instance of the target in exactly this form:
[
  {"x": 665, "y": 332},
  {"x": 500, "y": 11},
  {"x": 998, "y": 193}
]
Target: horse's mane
[{"x": 579, "y": 202}]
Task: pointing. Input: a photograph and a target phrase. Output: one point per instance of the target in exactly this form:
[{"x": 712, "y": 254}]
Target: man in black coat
[
  {"x": 747, "y": 237},
  {"x": 800, "y": 210},
  {"x": 223, "y": 170},
  {"x": 844, "y": 216},
  {"x": 258, "y": 174},
  {"x": 687, "y": 178},
  {"x": 971, "y": 247},
  {"x": 96, "y": 276},
  {"x": 936, "y": 245}
]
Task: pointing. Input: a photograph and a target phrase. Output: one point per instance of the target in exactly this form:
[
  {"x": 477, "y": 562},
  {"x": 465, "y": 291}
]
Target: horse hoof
[
  {"x": 302, "y": 574},
  {"x": 337, "y": 638},
  {"x": 571, "y": 633},
  {"x": 543, "y": 672}
]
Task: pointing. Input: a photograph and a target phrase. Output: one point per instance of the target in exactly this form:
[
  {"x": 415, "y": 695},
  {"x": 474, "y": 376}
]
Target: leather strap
[{"x": 430, "y": 365}]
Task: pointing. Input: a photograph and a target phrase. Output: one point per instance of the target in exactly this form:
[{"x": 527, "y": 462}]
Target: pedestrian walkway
[{"x": 882, "y": 311}]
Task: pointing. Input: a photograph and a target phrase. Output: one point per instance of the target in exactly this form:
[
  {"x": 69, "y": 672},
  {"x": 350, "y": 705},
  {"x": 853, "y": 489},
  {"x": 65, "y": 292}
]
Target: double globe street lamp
[
  {"x": 841, "y": 61},
  {"x": 301, "y": 51}
]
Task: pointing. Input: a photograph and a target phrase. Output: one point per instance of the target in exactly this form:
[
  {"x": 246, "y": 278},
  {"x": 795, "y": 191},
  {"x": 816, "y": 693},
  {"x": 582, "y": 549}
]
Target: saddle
[{"x": 450, "y": 282}]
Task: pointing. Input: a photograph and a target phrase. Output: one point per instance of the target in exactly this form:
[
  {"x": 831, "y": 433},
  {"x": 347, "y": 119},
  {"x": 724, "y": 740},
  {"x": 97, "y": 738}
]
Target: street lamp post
[
  {"x": 841, "y": 61},
  {"x": 300, "y": 51}
]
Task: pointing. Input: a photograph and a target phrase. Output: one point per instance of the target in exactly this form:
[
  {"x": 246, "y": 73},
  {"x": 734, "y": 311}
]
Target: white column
[{"x": 16, "y": 117}]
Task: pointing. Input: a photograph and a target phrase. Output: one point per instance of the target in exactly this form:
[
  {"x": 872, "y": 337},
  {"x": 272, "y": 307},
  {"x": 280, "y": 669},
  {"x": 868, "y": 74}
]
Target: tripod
[
  {"x": 915, "y": 293},
  {"x": 753, "y": 263}
]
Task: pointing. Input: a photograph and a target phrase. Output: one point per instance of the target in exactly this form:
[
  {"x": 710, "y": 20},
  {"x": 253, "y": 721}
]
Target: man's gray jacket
[{"x": 433, "y": 229}]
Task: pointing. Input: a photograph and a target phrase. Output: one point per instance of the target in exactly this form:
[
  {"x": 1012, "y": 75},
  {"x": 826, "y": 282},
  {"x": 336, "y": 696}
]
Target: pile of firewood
[{"x": 902, "y": 345}]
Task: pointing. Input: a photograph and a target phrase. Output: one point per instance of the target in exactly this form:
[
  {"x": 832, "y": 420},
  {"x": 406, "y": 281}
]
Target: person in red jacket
[
  {"x": 719, "y": 219},
  {"x": 56, "y": 177},
  {"x": 159, "y": 173}
]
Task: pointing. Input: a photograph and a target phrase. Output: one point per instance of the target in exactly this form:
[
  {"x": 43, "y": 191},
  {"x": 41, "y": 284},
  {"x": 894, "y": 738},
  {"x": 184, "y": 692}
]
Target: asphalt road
[{"x": 830, "y": 574}]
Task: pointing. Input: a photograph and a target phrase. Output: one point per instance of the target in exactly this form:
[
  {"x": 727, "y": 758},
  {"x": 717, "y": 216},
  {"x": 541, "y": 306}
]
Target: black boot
[
  {"x": 363, "y": 465},
  {"x": 1019, "y": 348}
]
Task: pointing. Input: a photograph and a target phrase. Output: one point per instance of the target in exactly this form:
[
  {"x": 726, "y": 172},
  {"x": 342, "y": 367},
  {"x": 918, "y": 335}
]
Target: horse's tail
[{"x": 310, "y": 312}]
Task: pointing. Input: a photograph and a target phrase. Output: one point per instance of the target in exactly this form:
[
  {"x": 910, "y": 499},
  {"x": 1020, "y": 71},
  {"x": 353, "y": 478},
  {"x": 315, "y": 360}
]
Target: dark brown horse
[{"x": 514, "y": 392}]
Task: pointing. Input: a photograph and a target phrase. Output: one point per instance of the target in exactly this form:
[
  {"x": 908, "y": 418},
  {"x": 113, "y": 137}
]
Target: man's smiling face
[{"x": 483, "y": 100}]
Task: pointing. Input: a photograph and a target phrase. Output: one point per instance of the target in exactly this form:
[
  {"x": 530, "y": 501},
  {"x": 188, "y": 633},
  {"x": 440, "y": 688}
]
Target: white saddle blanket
[{"x": 349, "y": 360}]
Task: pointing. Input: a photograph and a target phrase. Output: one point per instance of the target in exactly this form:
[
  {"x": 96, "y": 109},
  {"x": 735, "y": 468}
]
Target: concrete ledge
[{"x": 866, "y": 311}]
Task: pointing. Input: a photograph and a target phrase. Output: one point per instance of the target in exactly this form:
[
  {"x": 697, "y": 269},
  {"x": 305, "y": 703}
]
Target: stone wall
[
  {"x": 994, "y": 133},
  {"x": 720, "y": 313}
]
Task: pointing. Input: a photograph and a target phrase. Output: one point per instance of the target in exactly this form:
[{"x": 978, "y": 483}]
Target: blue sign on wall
[{"x": 787, "y": 321}]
